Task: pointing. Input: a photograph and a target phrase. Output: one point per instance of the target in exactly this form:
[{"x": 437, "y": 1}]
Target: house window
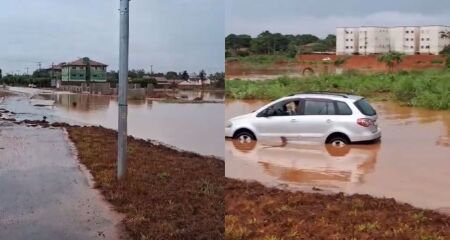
[
  {"x": 407, "y": 39},
  {"x": 422, "y": 39},
  {"x": 428, "y": 39},
  {"x": 346, "y": 47},
  {"x": 74, "y": 68},
  {"x": 95, "y": 75},
  {"x": 421, "y": 46},
  {"x": 407, "y": 31},
  {"x": 411, "y": 47},
  {"x": 351, "y": 40},
  {"x": 81, "y": 75},
  {"x": 428, "y": 46},
  {"x": 412, "y": 31},
  {"x": 346, "y": 40},
  {"x": 73, "y": 75}
]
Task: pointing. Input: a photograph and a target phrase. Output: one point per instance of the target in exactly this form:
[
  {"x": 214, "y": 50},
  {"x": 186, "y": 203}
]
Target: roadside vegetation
[
  {"x": 167, "y": 194},
  {"x": 254, "y": 211},
  {"x": 428, "y": 89}
]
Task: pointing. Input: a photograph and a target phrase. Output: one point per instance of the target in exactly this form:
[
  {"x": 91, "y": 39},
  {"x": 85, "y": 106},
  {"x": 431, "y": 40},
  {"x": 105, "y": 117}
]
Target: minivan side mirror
[{"x": 267, "y": 112}]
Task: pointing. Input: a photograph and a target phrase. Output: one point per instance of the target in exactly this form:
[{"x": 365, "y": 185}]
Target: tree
[
  {"x": 185, "y": 75},
  {"x": 202, "y": 75},
  {"x": 305, "y": 39},
  {"x": 292, "y": 50},
  {"x": 235, "y": 42},
  {"x": 171, "y": 75},
  {"x": 391, "y": 59},
  {"x": 445, "y": 34}
]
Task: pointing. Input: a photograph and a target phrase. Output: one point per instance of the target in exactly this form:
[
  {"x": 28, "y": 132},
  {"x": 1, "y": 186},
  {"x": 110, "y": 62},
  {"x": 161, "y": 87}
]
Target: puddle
[
  {"x": 194, "y": 127},
  {"x": 410, "y": 164}
]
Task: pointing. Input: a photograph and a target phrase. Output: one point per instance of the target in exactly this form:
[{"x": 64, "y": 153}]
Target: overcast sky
[
  {"x": 168, "y": 34},
  {"x": 321, "y": 17}
]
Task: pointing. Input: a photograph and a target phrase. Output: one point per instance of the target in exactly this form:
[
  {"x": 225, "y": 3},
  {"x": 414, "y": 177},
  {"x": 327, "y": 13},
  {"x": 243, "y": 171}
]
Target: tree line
[
  {"x": 42, "y": 77},
  {"x": 277, "y": 43}
]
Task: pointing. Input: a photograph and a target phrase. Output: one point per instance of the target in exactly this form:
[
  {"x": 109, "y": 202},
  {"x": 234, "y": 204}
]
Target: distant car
[
  {"x": 334, "y": 118},
  {"x": 32, "y": 86}
]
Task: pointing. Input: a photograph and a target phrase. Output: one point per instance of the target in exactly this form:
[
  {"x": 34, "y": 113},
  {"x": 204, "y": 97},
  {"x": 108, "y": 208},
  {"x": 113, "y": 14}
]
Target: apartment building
[
  {"x": 431, "y": 40},
  {"x": 373, "y": 40},
  {"x": 347, "y": 41},
  {"x": 405, "y": 39}
]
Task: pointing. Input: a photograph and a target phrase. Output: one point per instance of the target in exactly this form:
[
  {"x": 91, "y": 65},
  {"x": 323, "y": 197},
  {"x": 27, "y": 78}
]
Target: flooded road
[
  {"x": 194, "y": 127},
  {"x": 411, "y": 164}
]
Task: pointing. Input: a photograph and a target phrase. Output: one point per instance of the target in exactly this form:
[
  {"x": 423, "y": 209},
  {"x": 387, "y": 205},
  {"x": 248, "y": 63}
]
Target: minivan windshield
[{"x": 365, "y": 108}]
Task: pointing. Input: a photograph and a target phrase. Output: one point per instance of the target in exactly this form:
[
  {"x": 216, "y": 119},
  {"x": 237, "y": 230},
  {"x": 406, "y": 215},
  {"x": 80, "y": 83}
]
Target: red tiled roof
[{"x": 81, "y": 62}]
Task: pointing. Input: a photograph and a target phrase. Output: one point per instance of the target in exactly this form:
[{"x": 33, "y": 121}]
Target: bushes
[{"x": 430, "y": 89}]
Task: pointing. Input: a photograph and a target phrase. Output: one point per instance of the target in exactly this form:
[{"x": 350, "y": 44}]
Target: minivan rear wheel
[{"x": 244, "y": 136}]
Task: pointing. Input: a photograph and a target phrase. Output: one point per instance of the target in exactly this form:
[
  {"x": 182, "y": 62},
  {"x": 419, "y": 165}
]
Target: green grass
[
  {"x": 428, "y": 89},
  {"x": 262, "y": 59}
]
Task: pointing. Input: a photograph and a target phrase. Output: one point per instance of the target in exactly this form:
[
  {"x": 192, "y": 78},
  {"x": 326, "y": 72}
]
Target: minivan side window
[
  {"x": 319, "y": 107},
  {"x": 343, "y": 108},
  {"x": 284, "y": 108}
]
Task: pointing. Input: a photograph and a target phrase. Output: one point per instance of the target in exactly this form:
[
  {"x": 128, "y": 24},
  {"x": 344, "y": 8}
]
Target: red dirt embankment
[{"x": 369, "y": 64}]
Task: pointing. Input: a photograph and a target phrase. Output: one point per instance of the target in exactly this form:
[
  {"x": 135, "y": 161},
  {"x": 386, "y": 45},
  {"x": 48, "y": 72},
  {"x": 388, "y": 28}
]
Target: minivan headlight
[{"x": 228, "y": 124}]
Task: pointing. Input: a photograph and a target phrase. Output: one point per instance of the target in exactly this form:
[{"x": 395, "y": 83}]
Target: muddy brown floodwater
[
  {"x": 195, "y": 127},
  {"x": 410, "y": 164}
]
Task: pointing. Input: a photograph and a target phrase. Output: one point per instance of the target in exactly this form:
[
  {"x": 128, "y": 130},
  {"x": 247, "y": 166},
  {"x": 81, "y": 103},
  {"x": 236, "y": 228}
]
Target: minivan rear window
[{"x": 365, "y": 108}]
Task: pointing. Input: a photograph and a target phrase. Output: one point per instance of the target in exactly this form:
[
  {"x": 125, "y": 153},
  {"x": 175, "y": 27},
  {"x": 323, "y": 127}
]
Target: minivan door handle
[
  {"x": 329, "y": 121},
  {"x": 293, "y": 120}
]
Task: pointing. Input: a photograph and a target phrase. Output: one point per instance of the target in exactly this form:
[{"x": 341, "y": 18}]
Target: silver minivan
[{"x": 335, "y": 118}]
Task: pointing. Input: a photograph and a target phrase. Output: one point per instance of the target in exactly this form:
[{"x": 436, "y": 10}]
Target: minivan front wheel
[
  {"x": 338, "y": 140},
  {"x": 244, "y": 136}
]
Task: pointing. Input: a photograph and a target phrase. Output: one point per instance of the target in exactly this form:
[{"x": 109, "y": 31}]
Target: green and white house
[{"x": 83, "y": 70}]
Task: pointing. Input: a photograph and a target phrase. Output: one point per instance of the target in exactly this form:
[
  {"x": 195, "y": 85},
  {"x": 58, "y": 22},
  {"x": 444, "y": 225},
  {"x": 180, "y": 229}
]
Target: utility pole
[
  {"x": 151, "y": 70},
  {"x": 123, "y": 89}
]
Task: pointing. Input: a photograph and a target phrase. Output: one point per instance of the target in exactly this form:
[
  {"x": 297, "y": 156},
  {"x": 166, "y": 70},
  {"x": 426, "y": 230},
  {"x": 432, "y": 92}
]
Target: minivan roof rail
[{"x": 342, "y": 94}]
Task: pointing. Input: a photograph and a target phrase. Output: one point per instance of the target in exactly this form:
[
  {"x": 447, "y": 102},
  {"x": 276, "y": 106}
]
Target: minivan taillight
[{"x": 365, "y": 122}]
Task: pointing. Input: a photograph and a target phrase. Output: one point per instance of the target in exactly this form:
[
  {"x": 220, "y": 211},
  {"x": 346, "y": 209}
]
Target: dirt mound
[
  {"x": 168, "y": 194},
  {"x": 257, "y": 212}
]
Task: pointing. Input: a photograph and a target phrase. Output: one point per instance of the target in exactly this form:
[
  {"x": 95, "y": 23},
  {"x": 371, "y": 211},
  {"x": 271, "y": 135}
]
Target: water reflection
[
  {"x": 307, "y": 164},
  {"x": 194, "y": 127},
  {"x": 410, "y": 164}
]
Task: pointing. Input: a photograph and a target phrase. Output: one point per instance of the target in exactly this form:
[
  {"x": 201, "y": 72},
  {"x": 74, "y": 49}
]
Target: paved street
[{"x": 44, "y": 194}]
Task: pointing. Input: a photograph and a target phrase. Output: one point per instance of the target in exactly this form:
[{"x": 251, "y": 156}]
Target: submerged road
[{"x": 44, "y": 194}]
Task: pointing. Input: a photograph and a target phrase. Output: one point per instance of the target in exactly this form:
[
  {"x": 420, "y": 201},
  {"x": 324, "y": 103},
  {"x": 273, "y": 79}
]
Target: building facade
[
  {"x": 405, "y": 39},
  {"x": 373, "y": 40},
  {"x": 83, "y": 70},
  {"x": 347, "y": 40},
  {"x": 431, "y": 40}
]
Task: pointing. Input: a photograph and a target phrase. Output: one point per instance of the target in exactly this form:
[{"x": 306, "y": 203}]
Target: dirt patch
[
  {"x": 316, "y": 63},
  {"x": 4, "y": 93},
  {"x": 168, "y": 194},
  {"x": 257, "y": 212}
]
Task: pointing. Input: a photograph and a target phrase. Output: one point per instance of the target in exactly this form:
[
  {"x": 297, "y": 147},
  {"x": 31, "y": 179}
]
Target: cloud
[
  {"x": 323, "y": 25},
  {"x": 170, "y": 35}
]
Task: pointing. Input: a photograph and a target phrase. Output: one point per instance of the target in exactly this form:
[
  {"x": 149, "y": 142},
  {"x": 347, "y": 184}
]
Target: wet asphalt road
[{"x": 43, "y": 192}]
